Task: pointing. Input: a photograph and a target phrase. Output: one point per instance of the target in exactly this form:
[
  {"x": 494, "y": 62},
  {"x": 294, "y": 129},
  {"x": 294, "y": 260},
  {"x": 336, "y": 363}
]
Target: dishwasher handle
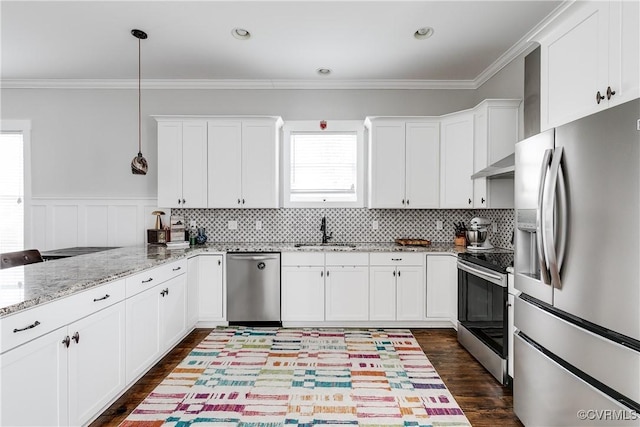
[{"x": 253, "y": 257}]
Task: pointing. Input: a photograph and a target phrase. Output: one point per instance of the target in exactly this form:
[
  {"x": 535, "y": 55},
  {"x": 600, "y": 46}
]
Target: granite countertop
[{"x": 28, "y": 286}]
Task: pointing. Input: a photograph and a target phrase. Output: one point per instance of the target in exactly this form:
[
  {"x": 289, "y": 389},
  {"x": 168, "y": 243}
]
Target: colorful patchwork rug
[{"x": 302, "y": 377}]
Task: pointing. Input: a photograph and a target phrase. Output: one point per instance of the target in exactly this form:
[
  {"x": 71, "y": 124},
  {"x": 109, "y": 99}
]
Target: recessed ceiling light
[
  {"x": 423, "y": 33},
  {"x": 323, "y": 71},
  {"x": 241, "y": 34}
]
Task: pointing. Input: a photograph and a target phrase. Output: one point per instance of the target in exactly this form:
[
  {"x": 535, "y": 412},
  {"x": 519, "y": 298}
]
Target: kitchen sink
[{"x": 328, "y": 246}]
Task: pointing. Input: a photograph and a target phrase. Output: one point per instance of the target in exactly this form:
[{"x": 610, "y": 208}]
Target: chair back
[{"x": 14, "y": 259}]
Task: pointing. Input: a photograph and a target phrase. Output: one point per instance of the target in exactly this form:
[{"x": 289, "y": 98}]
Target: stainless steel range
[{"x": 482, "y": 309}]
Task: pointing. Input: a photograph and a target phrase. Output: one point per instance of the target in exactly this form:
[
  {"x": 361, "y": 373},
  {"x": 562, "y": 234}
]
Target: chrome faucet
[{"x": 323, "y": 228}]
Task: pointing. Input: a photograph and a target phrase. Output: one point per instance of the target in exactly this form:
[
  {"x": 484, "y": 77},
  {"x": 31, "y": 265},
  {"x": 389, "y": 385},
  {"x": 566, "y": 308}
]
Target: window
[
  {"x": 14, "y": 200},
  {"x": 323, "y": 167}
]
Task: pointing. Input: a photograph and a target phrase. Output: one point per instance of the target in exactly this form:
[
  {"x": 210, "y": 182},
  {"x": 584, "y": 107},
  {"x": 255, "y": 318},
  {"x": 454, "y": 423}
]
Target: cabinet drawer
[
  {"x": 397, "y": 258},
  {"x": 27, "y": 325},
  {"x": 149, "y": 278},
  {"x": 95, "y": 299},
  {"x": 351, "y": 258},
  {"x": 302, "y": 258}
]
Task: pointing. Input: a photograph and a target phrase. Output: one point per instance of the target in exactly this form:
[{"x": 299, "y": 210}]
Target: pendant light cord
[{"x": 139, "y": 102}]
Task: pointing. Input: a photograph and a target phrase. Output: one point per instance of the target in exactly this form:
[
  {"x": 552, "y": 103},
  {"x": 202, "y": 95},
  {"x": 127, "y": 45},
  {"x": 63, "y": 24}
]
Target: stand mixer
[{"x": 477, "y": 235}]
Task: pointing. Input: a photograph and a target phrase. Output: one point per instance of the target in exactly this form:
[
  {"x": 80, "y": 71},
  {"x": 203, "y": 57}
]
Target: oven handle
[{"x": 493, "y": 278}]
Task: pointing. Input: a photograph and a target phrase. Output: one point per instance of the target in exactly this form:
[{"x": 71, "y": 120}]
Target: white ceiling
[{"x": 357, "y": 40}]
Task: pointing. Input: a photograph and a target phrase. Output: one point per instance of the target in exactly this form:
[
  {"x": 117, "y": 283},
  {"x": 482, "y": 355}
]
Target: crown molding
[
  {"x": 525, "y": 45},
  {"x": 217, "y": 84}
]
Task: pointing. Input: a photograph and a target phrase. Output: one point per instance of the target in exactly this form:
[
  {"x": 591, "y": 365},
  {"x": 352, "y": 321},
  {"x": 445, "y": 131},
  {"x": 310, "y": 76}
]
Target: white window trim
[
  {"x": 314, "y": 126},
  {"x": 23, "y": 126}
]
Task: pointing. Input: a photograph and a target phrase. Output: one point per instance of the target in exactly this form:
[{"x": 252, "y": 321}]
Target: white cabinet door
[
  {"x": 574, "y": 62},
  {"x": 347, "y": 293},
  {"x": 410, "y": 290},
  {"x": 387, "y": 165},
  {"x": 259, "y": 165},
  {"x": 224, "y": 153},
  {"x": 96, "y": 362},
  {"x": 480, "y": 156},
  {"x": 170, "y": 164},
  {"x": 382, "y": 293},
  {"x": 511, "y": 300},
  {"x": 302, "y": 293},
  {"x": 194, "y": 164},
  {"x": 142, "y": 332},
  {"x": 456, "y": 161},
  {"x": 453, "y": 294},
  {"x": 624, "y": 51},
  {"x": 173, "y": 311},
  {"x": 439, "y": 286},
  {"x": 193, "y": 276},
  {"x": 34, "y": 383},
  {"x": 211, "y": 300},
  {"x": 422, "y": 165}
]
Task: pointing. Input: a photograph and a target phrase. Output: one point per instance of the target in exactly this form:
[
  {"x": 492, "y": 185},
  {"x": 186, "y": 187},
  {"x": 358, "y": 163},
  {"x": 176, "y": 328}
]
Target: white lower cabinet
[
  {"x": 397, "y": 286},
  {"x": 193, "y": 273},
  {"x": 347, "y": 292},
  {"x": 211, "y": 290},
  {"x": 410, "y": 288},
  {"x": 35, "y": 373},
  {"x": 70, "y": 373},
  {"x": 156, "y": 319},
  {"x": 441, "y": 286},
  {"x": 302, "y": 293},
  {"x": 96, "y": 362}
]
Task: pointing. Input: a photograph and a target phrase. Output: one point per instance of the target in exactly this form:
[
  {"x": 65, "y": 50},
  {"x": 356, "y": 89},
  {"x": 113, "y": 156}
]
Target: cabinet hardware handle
[
  {"x": 599, "y": 97},
  {"x": 327, "y": 273},
  {"x": 31, "y": 326},
  {"x": 177, "y": 268},
  {"x": 148, "y": 280},
  {"x": 482, "y": 200},
  {"x": 469, "y": 201},
  {"x": 403, "y": 201},
  {"x": 407, "y": 202},
  {"x": 162, "y": 292},
  {"x": 103, "y": 298},
  {"x": 396, "y": 259},
  {"x": 398, "y": 273},
  {"x": 184, "y": 201},
  {"x": 76, "y": 337},
  {"x": 610, "y": 92},
  {"x": 219, "y": 262},
  {"x": 394, "y": 273},
  {"x": 322, "y": 274},
  {"x": 179, "y": 201},
  {"x": 243, "y": 201},
  {"x": 238, "y": 201},
  {"x": 166, "y": 291},
  {"x": 66, "y": 341}
]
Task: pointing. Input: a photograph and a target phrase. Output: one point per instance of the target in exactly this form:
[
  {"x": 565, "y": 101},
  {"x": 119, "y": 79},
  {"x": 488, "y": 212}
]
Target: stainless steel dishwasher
[{"x": 253, "y": 288}]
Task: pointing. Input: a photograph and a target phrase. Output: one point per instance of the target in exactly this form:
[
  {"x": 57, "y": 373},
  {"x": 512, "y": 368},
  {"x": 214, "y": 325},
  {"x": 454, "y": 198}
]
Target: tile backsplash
[{"x": 347, "y": 225}]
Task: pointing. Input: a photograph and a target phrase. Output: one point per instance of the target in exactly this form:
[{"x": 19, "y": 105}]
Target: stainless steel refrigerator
[{"x": 577, "y": 264}]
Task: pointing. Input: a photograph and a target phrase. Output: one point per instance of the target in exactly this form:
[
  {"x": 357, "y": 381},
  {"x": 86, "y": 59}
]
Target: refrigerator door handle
[
  {"x": 562, "y": 229},
  {"x": 542, "y": 257},
  {"x": 549, "y": 217}
]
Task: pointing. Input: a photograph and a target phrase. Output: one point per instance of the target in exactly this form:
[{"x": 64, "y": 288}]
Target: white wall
[{"x": 83, "y": 140}]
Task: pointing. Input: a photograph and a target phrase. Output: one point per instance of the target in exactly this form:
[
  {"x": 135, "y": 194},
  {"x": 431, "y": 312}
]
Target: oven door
[{"x": 482, "y": 305}]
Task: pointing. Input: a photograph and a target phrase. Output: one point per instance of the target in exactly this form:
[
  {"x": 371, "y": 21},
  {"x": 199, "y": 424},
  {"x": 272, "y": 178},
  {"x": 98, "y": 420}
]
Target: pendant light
[{"x": 139, "y": 164}]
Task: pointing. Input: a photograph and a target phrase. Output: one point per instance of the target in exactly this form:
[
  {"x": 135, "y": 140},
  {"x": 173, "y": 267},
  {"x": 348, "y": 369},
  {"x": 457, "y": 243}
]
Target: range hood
[{"x": 503, "y": 168}]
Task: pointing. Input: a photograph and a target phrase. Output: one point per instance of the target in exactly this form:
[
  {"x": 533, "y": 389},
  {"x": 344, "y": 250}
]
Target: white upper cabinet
[
  {"x": 182, "y": 163},
  {"x": 243, "y": 163},
  {"x": 403, "y": 163},
  {"x": 590, "y": 60},
  {"x": 456, "y": 160},
  {"x": 495, "y": 133},
  {"x": 225, "y": 158}
]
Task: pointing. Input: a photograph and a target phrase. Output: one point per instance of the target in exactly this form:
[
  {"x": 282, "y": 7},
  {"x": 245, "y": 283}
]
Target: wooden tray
[{"x": 413, "y": 242}]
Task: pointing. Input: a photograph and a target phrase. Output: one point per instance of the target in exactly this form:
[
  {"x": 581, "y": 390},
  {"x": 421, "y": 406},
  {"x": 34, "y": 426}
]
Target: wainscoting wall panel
[{"x": 61, "y": 223}]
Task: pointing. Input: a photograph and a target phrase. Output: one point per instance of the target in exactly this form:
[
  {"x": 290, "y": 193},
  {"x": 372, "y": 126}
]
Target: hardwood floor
[{"x": 484, "y": 401}]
